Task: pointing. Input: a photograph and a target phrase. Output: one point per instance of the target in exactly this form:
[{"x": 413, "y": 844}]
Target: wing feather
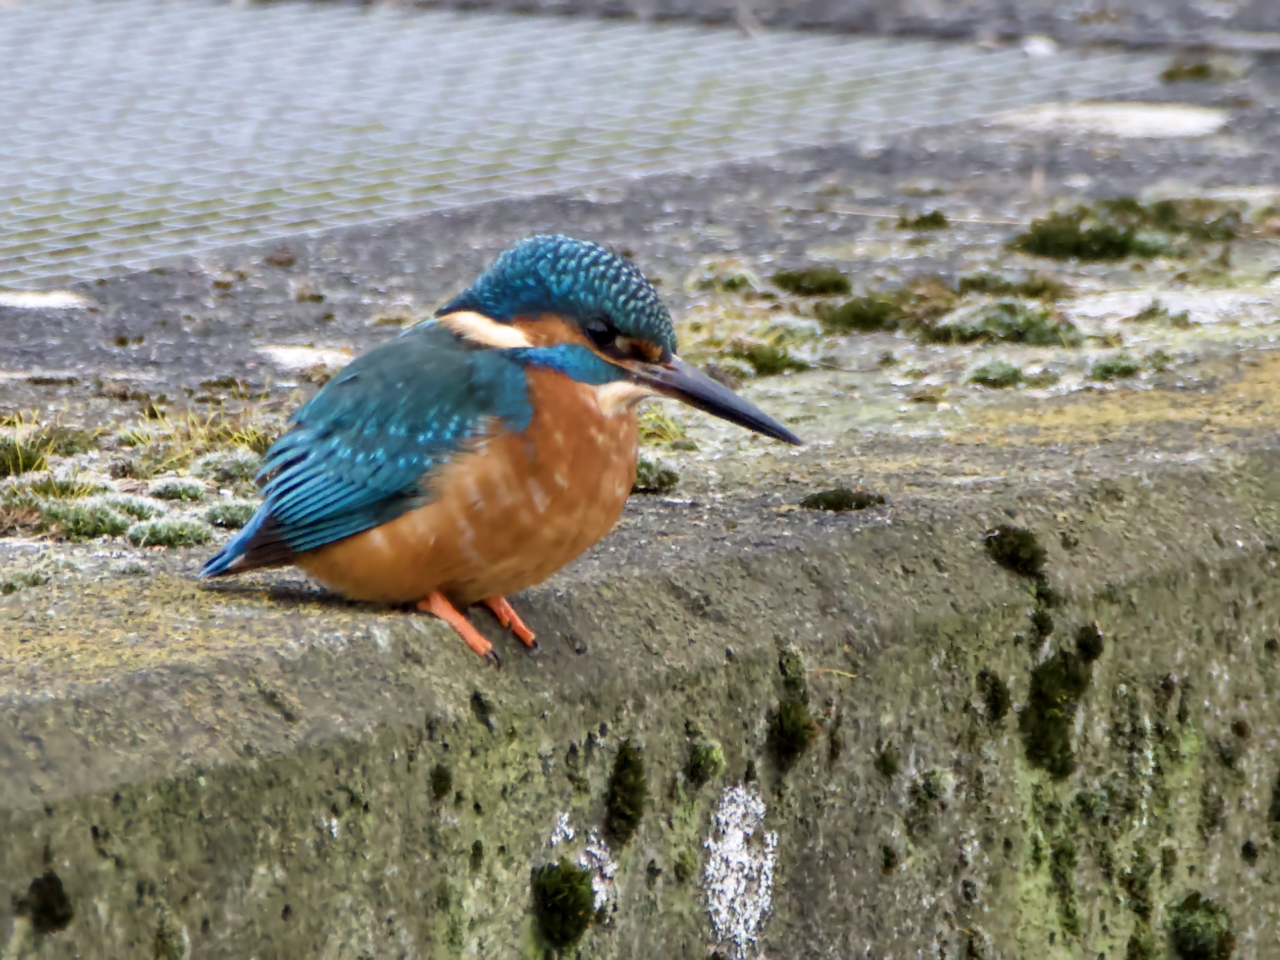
[{"x": 357, "y": 455}]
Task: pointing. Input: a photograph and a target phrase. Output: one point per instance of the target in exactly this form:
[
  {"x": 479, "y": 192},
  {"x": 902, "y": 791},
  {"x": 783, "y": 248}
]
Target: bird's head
[{"x": 577, "y": 306}]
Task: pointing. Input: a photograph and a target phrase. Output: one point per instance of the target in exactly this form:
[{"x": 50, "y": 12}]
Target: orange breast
[{"x": 504, "y": 516}]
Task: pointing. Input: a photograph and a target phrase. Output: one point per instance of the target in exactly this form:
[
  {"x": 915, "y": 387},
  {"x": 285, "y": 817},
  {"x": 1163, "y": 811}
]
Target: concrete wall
[{"x": 933, "y": 754}]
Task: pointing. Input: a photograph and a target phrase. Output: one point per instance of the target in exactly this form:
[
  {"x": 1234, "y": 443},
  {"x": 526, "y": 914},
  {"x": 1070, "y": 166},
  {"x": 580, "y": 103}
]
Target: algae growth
[
  {"x": 812, "y": 281},
  {"x": 625, "y": 796},
  {"x": 1117, "y": 229},
  {"x": 1200, "y": 929},
  {"x": 563, "y": 902},
  {"x": 840, "y": 499},
  {"x": 653, "y": 477}
]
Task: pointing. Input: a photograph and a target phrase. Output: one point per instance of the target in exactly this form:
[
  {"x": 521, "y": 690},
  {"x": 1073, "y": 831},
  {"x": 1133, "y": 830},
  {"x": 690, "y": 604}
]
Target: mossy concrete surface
[{"x": 257, "y": 770}]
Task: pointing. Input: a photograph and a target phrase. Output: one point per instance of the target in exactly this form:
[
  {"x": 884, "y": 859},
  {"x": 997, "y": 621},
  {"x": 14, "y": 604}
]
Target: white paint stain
[
  {"x": 43, "y": 300},
  {"x": 597, "y": 859},
  {"x": 1119, "y": 119},
  {"x": 738, "y": 877},
  {"x": 562, "y": 831},
  {"x": 305, "y": 358}
]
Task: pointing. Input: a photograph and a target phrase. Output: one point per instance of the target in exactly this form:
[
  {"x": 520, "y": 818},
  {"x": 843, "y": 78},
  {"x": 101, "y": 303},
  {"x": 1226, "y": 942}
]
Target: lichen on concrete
[{"x": 738, "y": 876}]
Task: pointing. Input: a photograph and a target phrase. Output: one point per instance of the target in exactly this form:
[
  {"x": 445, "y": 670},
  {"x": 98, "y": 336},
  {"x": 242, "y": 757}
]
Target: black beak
[{"x": 675, "y": 378}]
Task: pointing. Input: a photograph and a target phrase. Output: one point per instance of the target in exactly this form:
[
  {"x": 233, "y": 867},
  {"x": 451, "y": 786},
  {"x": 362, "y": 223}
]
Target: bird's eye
[{"x": 602, "y": 333}]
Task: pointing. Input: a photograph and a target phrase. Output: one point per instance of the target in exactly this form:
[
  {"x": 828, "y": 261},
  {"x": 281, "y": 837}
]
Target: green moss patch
[
  {"x": 229, "y": 514},
  {"x": 686, "y": 866},
  {"x": 791, "y": 666},
  {"x": 1089, "y": 642},
  {"x": 922, "y": 797},
  {"x": 767, "y": 357},
  {"x": 169, "y": 533},
  {"x": 184, "y": 490},
  {"x": 1157, "y": 312},
  {"x": 918, "y": 303},
  {"x": 886, "y": 762},
  {"x": 45, "y": 904},
  {"x": 1032, "y": 287},
  {"x": 705, "y": 763},
  {"x": 657, "y": 426},
  {"x": 1047, "y": 719},
  {"x": 66, "y": 441},
  {"x": 994, "y": 693},
  {"x": 1117, "y": 229},
  {"x": 1141, "y": 944},
  {"x": 933, "y": 220},
  {"x": 653, "y": 477},
  {"x": 840, "y": 499},
  {"x": 16, "y": 580},
  {"x": 1008, "y": 320},
  {"x": 441, "y": 781},
  {"x": 727, "y": 276},
  {"x": 82, "y": 520},
  {"x": 812, "y": 282},
  {"x": 1016, "y": 550},
  {"x": 1199, "y": 69},
  {"x": 1062, "y": 871},
  {"x": 1041, "y": 379},
  {"x": 563, "y": 903},
  {"x": 889, "y": 859},
  {"x": 134, "y": 507},
  {"x": 864, "y": 315},
  {"x": 791, "y": 727},
  {"x": 998, "y": 375},
  {"x": 1136, "y": 883},
  {"x": 1199, "y": 929},
  {"x": 625, "y": 795},
  {"x": 228, "y": 468},
  {"x": 792, "y": 731},
  {"x": 1115, "y": 368}
]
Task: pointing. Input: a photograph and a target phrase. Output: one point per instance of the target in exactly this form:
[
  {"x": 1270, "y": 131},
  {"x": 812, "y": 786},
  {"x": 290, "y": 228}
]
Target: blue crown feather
[{"x": 574, "y": 278}]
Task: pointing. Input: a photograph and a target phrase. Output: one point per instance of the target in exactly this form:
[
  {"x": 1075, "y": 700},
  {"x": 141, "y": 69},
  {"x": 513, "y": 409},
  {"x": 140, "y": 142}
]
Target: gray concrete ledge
[{"x": 267, "y": 785}]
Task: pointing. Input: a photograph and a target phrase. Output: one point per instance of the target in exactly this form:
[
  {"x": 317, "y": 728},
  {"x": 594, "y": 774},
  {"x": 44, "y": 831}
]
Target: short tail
[{"x": 225, "y": 560}]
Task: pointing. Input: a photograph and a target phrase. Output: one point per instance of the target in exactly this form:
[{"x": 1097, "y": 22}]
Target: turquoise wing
[{"x": 357, "y": 455}]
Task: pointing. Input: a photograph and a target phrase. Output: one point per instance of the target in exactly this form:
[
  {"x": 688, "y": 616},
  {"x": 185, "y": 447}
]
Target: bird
[{"x": 483, "y": 449}]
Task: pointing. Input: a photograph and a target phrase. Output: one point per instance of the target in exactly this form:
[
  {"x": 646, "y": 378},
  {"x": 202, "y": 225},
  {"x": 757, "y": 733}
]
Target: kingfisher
[{"x": 483, "y": 449}]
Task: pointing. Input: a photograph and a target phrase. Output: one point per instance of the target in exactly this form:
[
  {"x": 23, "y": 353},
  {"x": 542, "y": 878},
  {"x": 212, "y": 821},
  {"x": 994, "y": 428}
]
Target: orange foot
[
  {"x": 511, "y": 620},
  {"x": 436, "y": 604}
]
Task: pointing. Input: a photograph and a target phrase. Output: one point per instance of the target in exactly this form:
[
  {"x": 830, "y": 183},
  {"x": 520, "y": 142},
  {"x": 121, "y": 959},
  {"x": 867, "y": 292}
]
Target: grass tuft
[
  {"x": 1008, "y": 321},
  {"x": 812, "y": 282},
  {"x": 169, "y": 533},
  {"x": 841, "y": 499},
  {"x": 563, "y": 902},
  {"x": 180, "y": 490},
  {"x": 229, "y": 514},
  {"x": 1115, "y": 368},
  {"x": 998, "y": 375},
  {"x": 653, "y": 477},
  {"x": 1121, "y": 228},
  {"x": 933, "y": 220},
  {"x": 657, "y": 426}
]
